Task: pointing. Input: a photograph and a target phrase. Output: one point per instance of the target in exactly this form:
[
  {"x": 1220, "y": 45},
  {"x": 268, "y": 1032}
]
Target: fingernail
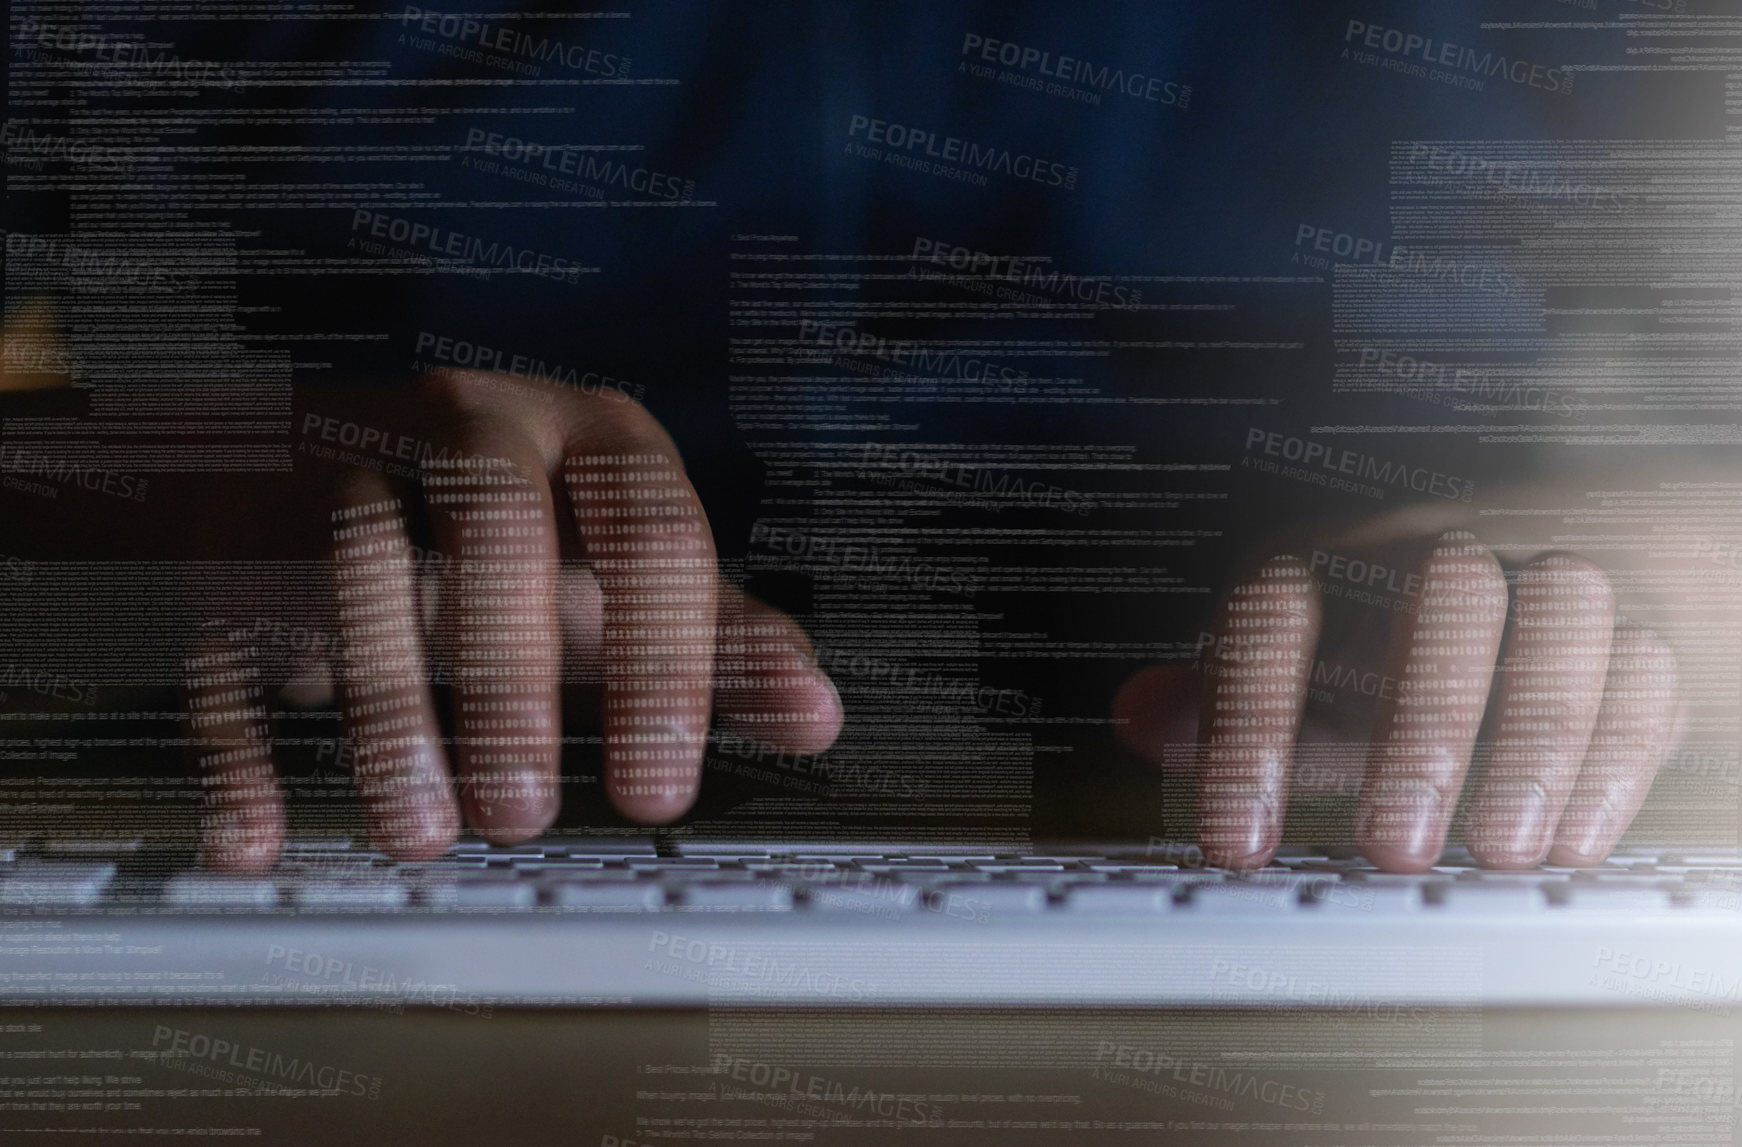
[
  {"x": 419, "y": 823},
  {"x": 1586, "y": 836},
  {"x": 509, "y": 807},
  {"x": 232, "y": 843},
  {"x": 1235, "y": 832},
  {"x": 833, "y": 707},
  {"x": 653, "y": 804},
  {"x": 1587, "y": 830},
  {"x": 1510, "y": 824},
  {"x": 654, "y": 770},
  {"x": 1399, "y": 825}
]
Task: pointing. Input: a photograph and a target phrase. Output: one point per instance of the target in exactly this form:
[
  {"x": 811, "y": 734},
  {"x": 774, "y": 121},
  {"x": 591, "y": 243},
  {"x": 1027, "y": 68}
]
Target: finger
[
  {"x": 493, "y": 518},
  {"x": 648, "y": 543},
  {"x": 580, "y": 612},
  {"x": 1442, "y": 659},
  {"x": 580, "y": 607},
  {"x": 1551, "y": 687},
  {"x": 1634, "y": 733},
  {"x": 769, "y": 688},
  {"x": 310, "y": 687},
  {"x": 1157, "y": 707},
  {"x": 383, "y": 693},
  {"x": 1258, "y": 687},
  {"x": 767, "y": 685},
  {"x": 242, "y": 827}
]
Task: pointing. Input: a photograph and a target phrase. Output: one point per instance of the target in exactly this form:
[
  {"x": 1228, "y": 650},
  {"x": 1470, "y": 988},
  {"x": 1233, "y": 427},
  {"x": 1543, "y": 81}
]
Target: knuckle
[
  {"x": 1463, "y": 573},
  {"x": 451, "y": 390},
  {"x": 500, "y": 438},
  {"x": 1561, "y": 577},
  {"x": 1557, "y": 716},
  {"x": 636, "y": 504},
  {"x": 1279, "y": 596},
  {"x": 620, "y": 425},
  {"x": 1283, "y": 577},
  {"x": 1644, "y": 660},
  {"x": 487, "y": 413}
]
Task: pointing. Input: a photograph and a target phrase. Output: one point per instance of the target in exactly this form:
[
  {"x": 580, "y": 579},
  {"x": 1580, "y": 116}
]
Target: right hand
[{"x": 1573, "y": 709}]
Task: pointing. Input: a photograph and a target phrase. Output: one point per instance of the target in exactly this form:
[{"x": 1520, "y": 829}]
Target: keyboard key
[
  {"x": 306, "y": 844},
  {"x": 683, "y": 876},
  {"x": 882, "y": 898},
  {"x": 1183, "y": 878},
  {"x": 607, "y": 847},
  {"x": 590, "y": 876},
  {"x": 642, "y": 896},
  {"x": 1611, "y": 898},
  {"x": 508, "y": 892},
  {"x": 1240, "y": 898},
  {"x": 349, "y": 894},
  {"x": 1133, "y": 868},
  {"x": 1491, "y": 899},
  {"x": 517, "y": 854},
  {"x": 461, "y": 860},
  {"x": 1356, "y": 864},
  {"x": 1134, "y": 899},
  {"x": 1286, "y": 878},
  {"x": 959, "y": 859},
  {"x": 1620, "y": 879},
  {"x": 720, "y": 850},
  {"x": 979, "y": 903},
  {"x": 1619, "y": 860},
  {"x": 197, "y": 890},
  {"x": 1346, "y": 896},
  {"x": 557, "y": 864},
  {"x": 904, "y": 868},
  {"x": 798, "y": 870},
  {"x": 336, "y": 865},
  {"x": 1410, "y": 880},
  {"x": 925, "y": 878},
  {"x": 845, "y": 852},
  {"x": 737, "y": 897}
]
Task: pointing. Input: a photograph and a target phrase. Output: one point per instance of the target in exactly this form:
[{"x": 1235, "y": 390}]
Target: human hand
[
  {"x": 516, "y": 539},
  {"x": 1571, "y": 707}
]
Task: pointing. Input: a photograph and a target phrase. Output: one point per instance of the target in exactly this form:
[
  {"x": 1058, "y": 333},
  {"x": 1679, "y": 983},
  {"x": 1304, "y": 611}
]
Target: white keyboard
[
  {"x": 636, "y": 874},
  {"x": 678, "y": 922}
]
